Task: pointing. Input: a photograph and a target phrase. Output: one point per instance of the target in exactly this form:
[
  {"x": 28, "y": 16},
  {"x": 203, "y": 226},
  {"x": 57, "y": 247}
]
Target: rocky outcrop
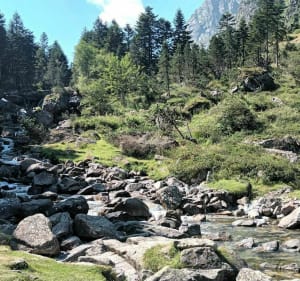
[
  {"x": 34, "y": 235},
  {"x": 291, "y": 221},
  {"x": 91, "y": 227},
  {"x": 247, "y": 274}
]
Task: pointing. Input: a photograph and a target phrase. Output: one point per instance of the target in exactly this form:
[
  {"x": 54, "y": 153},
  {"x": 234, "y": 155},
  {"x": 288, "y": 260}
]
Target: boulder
[
  {"x": 62, "y": 225},
  {"x": 7, "y": 171},
  {"x": 33, "y": 207},
  {"x": 292, "y": 245},
  {"x": 134, "y": 207},
  {"x": 244, "y": 222},
  {"x": 44, "y": 117},
  {"x": 44, "y": 179},
  {"x": 73, "y": 205},
  {"x": 247, "y": 274},
  {"x": 34, "y": 235},
  {"x": 201, "y": 258},
  {"x": 91, "y": 227},
  {"x": 70, "y": 243},
  {"x": 291, "y": 221},
  {"x": 9, "y": 208},
  {"x": 170, "y": 197},
  {"x": 271, "y": 246},
  {"x": 167, "y": 274},
  {"x": 259, "y": 82}
]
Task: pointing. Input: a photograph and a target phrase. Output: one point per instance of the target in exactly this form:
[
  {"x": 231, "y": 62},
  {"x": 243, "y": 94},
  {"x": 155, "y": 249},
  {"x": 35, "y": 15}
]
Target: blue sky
[{"x": 64, "y": 20}]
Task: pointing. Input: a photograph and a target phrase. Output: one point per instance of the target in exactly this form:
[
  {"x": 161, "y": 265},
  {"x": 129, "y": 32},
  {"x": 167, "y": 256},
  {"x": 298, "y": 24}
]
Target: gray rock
[
  {"x": 201, "y": 258},
  {"x": 73, "y": 205},
  {"x": 190, "y": 229},
  {"x": 91, "y": 228},
  {"x": 247, "y": 243},
  {"x": 170, "y": 197},
  {"x": 292, "y": 245},
  {"x": 34, "y": 235},
  {"x": 271, "y": 246},
  {"x": 19, "y": 264},
  {"x": 134, "y": 207},
  {"x": 9, "y": 208},
  {"x": 244, "y": 222},
  {"x": 168, "y": 274},
  {"x": 247, "y": 274},
  {"x": 291, "y": 221},
  {"x": 7, "y": 171},
  {"x": 70, "y": 243},
  {"x": 61, "y": 225},
  {"x": 188, "y": 243},
  {"x": 44, "y": 179},
  {"x": 33, "y": 207}
]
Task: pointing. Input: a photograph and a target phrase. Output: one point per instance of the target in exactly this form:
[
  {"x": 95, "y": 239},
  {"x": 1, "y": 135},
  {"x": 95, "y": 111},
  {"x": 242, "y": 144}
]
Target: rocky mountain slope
[{"x": 204, "y": 21}]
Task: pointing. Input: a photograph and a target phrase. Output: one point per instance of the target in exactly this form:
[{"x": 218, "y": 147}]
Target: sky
[{"x": 64, "y": 20}]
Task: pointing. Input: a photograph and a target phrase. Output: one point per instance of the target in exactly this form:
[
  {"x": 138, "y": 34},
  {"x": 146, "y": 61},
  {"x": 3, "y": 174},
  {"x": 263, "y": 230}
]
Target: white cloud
[{"x": 123, "y": 11}]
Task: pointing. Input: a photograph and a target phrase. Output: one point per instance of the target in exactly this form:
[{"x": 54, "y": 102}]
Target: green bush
[{"x": 235, "y": 115}]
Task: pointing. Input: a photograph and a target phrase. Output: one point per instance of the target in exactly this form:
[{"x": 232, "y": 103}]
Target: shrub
[{"x": 235, "y": 115}]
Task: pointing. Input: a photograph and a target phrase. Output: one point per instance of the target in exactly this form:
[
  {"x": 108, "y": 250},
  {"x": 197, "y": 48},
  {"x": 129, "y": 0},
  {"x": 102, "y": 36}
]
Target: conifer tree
[
  {"x": 41, "y": 61},
  {"x": 21, "y": 53},
  {"x": 58, "y": 73},
  {"x": 164, "y": 67},
  {"x": 242, "y": 40},
  {"x": 3, "y": 42}
]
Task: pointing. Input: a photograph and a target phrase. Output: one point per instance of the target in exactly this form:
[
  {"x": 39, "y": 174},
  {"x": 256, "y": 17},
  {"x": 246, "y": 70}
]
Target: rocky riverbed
[{"x": 86, "y": 212}]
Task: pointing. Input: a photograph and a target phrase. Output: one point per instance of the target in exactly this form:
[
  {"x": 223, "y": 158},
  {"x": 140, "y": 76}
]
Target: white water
[{"x": 7, "y": 158}]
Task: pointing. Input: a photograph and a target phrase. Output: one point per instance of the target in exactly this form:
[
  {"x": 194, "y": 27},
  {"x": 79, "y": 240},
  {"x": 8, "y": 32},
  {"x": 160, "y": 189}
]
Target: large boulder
[
  {"x": 170, "y": 197},
  {"x": 201, "y": 258},
  {"x": 134, "y": 207},
  {"x": 9, "y": 208},
  {"x": 44, "y": 179},
  {"x": 34, "y": 207},
  {"x": 167, "y": 274},
  {"x": 7, "y": 171},
  {"x": 259, "y": 82},
  {"x": 73, "y": 205},
  {"x": 92, "y": 227},
  {"x": 291, "y": 221},
  {"x": 34, "y": 234},
  {"x": 62, "y": 225},
  {"x": 247, "y": 274}
]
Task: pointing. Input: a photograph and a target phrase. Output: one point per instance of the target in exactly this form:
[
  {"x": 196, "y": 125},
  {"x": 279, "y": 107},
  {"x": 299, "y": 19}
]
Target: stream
[{"x": 213, "y": 225}]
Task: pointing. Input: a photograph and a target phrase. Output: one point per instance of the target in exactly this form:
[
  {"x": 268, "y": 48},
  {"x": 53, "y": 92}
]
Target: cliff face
[{"x": 204, "y": 22}]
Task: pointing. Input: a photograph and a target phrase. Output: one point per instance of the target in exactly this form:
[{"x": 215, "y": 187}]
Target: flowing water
[{"x": 216, "y": 224}]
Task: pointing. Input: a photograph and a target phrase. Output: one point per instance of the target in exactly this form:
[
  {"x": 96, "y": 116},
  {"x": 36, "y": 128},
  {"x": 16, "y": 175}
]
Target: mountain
[{"x": 204, "y": 22}]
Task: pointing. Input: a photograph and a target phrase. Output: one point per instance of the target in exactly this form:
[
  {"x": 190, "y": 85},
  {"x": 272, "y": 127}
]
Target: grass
[
  {"x": 105, "y": 153},
  {"x": 45, "y": 269},
  {"x": 160, "y": 256},
  {"x": 232, "y": 186}
]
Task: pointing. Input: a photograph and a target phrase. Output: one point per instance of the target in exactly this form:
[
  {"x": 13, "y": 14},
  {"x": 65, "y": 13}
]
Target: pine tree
[
  {"x": 99, "y": 33},
  {"x": 164, "y": 67},
  {"x": 3, "y": 42},
  {"x": 114, "y": 41},
  {"x": 217, "y": 55},
  {"x": 21, "y": 53},
  {"x": 177, "y": 63},
  {"x": 41, "y": 61},
  {"x": 226, "y": 24},
  {"x": 181, "y": 34},
  {"x": 58, "y": 73},
  {"x": 128, "y": 35},
  {"x": 242, "y": 38},
  {"x": 146, "y": 42}
]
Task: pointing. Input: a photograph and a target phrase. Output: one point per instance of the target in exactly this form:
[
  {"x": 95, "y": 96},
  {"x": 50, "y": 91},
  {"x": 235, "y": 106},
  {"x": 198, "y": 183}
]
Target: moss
[
  {"x": 160, "y": 256},
  {"x": 45, "y": 269}
]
